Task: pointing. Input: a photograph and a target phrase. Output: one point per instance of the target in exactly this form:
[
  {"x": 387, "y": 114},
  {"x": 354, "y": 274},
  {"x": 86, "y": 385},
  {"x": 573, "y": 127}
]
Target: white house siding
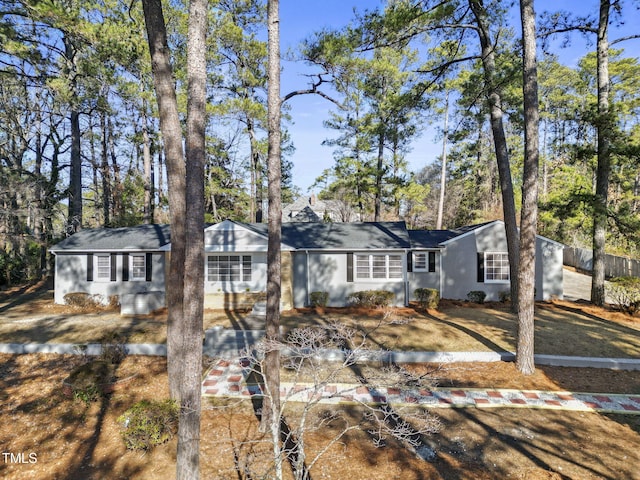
[
  {"x": 549, "y": 273},
  {"x": 328, "y": 273},
  {"x": 424, "y": 279},
  {"x": 460, "y": 264},
  {"x": 71, "y": 277}
]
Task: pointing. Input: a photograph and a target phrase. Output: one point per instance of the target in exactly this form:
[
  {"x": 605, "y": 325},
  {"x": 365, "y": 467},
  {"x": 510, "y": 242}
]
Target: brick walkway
[{"x": 227, "y": 379}]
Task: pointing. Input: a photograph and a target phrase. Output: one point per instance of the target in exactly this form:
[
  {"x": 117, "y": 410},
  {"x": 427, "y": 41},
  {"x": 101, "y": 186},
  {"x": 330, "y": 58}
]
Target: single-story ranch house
[{"x": 338, "y": 258}]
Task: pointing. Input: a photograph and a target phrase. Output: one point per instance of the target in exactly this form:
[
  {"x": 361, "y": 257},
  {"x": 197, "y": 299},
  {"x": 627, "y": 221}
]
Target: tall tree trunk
[
  {"x": 188, "y": 466},
  {"x": 500, "y": 143},
  {"x": 148, "y": 184},
  {"x": 257, "y": 194},
  {"x": 529, "y": 214},
  {"x": 106, "y": 173},
  {"x": 176, "y": 173},
  {"x": 116, "y": 186},
  {"x": 377, "y": 208},
  {"x": 75, "y": 181},
  {"x": 604, "y": 158},
  {"x": 74, "y": 221},
  {"x": 271, "y": 409},
  {"x": 443, "y": 170}
]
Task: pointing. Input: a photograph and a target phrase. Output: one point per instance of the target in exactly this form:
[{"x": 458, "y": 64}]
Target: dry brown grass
[{"x": 562, "y": 328}]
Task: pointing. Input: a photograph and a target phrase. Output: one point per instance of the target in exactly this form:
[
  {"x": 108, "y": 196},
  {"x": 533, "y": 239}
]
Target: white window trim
[
  {"x": 143, "y": 277},
  {"x": 242, "y": 274},
  {"x": 426, "y": 261},
  {"x": 96, "y": 269},
  {"x": 370, "y": 278},
  {"x": 486, "y": 270}
]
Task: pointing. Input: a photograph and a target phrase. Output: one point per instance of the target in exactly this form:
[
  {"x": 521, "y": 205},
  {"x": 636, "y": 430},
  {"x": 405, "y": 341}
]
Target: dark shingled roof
[
  {"x": 434, "y": 238},
  {"x": 299, "y": 235},
  {"x": 340, "y": 236},
  {"x": 141, "y": 237},
  {"x": 306, "y": 215}
]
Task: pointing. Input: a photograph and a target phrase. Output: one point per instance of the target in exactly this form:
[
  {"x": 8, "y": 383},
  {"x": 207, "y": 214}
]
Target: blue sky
[{"x": 299, "y": 18}]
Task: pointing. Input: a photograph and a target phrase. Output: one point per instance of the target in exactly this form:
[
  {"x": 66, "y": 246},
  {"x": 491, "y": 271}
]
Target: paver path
[{"x": 228, "y": 379}]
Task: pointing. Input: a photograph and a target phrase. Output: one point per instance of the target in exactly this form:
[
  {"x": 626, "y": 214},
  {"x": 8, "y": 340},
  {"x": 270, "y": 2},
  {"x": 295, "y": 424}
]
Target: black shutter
[
  {"x": 148, "y": 266},
  {"x": 432, "y": 261},
  {"x": 349, "y": 267},
  {"x": 480, "y": 267},
  {"x": 409, "y": 262},
  {"x": 113, "y": 266},
  {"x": 125, "y": 267},
  {"x": 89, "y": 267}
]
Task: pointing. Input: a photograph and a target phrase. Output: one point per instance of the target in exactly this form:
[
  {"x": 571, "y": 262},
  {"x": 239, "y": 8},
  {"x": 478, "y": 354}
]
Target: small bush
[
  {"x": 113, "y": 348},
  {"x": 86, "y": 380},
  {"x": 319, "y": 299},
  {"x": 149, "y": 423},
  {"x": 79, "y": 299},
  {"x": 428, "y": 297},
  {"x": 371, "y": 298},
  {"x": 476, "y": 296},
  {"x": 625, "y": 293},
  {"x": 505, "y": 296}
]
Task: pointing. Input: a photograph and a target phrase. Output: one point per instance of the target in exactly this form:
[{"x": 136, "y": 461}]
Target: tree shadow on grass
[{"x": 487, "y": 342}]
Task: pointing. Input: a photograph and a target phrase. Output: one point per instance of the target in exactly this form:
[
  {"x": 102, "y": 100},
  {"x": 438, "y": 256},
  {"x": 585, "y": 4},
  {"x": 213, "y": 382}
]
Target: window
[
  {"x": 137, "y": 267},
  {"x": 103, "y": 268},
  {"x": 496, "y": 267},
  {"x": 379, "y": 266},
  {"x": 229, "y": 268},
  {"x": 424, "y": 261}
]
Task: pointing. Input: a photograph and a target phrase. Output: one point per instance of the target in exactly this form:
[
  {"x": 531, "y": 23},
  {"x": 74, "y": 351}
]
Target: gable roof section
[
  {"x": 306, "y": 215},
  {"x": 346, "y": 236},
  {"x": 139, "y": 238},
  {"x": 440, "y": 238},
  {"x": 437, "y": 238},
  {"x": 340, "y": 236}
]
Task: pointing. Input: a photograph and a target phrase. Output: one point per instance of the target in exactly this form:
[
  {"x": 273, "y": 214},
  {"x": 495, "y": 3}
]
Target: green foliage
[
  {"x": 427, "y": 297},
  {"x": 625, "y": 293},
  {"x": 149, "y": 423},
  {"x": 86, "y": 381},
  {"x": 371, "y": 298},
  {"x": 476, "y": 296},
  {"x": 319, "y": 299}
]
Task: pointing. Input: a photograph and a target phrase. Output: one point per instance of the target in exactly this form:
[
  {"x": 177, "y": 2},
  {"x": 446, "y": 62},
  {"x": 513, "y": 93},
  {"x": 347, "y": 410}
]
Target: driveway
[{"x": 577, "y": 286}]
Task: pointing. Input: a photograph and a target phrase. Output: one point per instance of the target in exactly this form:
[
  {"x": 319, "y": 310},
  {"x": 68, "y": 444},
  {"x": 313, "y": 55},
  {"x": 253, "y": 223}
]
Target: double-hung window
[
  {"x": 424, "y": 261},
  {"x": 103, "y": 268},
  {"x": 229, "y": 268},
  {"x": 137, "y": 267},
  {"x": 378, "y": 266},
  {"x": 496, "y": 267}
]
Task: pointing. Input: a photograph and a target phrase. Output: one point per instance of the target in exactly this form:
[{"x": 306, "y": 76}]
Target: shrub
[
  {"x": 79, "y": 299},
  {"x": 476, "y": 296},
  {"x": 505, "y": 296},
  {"x": 625, "y": 293},
  {"x": 371, "y": 298},
  {"x": 85, "y": 382},
  {"x": 428, "y": 297},
  {"x": 149, "y": 423},
  {"x": 113, "y": 348},
  {"x": 319, "y": 299}
]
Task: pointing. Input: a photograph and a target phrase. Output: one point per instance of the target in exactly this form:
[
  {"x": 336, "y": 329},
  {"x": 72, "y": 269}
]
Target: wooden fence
[{"x": 582, "y": 259}]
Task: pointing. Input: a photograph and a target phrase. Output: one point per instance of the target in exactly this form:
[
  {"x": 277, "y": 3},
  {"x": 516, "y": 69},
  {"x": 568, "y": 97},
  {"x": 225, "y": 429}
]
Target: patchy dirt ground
[
  {"x": 55, "y": 437},
  {"x": 46, "y": 435}
]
